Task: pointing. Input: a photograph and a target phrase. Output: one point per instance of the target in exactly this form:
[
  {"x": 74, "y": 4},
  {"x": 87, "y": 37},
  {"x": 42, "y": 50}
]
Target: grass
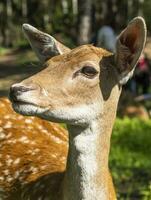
[
  {"x": 130, "y": 161},
  {"x": 3, "y": 51}
]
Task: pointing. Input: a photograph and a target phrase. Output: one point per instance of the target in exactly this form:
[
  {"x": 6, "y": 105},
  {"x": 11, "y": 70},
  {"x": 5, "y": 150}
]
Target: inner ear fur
[{"x": 129, "y": 47}]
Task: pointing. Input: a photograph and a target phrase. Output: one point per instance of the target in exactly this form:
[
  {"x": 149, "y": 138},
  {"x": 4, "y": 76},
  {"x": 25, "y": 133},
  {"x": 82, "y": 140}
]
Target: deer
[{"x": 81, "y": 88}]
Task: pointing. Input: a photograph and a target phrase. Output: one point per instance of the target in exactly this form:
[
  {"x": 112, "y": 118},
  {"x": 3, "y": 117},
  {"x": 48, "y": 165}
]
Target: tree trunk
[
  {"x": 24, "y": 9},
  {"x": 9, "y": 23},
  {"x": 140, "y": 7},
  {"x": 75, "y": 7},
  {"x": 84, "y": 15}
]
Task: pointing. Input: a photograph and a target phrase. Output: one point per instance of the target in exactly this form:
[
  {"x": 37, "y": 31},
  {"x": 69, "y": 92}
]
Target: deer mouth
[
  {"x": 21, "y": 102},
  {"x": 26, "y": 108}
]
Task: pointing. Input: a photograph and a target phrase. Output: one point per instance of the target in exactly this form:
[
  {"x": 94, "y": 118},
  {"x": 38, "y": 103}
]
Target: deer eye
[{"x": 88, "y": 71}]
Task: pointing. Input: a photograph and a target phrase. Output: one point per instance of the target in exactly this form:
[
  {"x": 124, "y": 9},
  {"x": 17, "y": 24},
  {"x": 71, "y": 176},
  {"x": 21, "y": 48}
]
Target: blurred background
[{"x": 76, "y": 22}]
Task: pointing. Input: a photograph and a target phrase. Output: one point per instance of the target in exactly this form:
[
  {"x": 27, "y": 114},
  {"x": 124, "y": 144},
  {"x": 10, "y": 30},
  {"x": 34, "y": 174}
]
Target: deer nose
[{"x": 17, "y": 89}]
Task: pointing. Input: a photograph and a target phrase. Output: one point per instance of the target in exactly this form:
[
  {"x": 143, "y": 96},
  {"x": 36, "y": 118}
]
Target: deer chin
[
  {"x": 81, "y": 115},
  {"x": 78, "y": 115},
  {"x": 28, "y": 109}
]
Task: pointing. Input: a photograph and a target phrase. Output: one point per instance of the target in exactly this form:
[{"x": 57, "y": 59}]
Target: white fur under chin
[
  {"x": 28, "y": 109},
  {"x": 78, "y": 115}
]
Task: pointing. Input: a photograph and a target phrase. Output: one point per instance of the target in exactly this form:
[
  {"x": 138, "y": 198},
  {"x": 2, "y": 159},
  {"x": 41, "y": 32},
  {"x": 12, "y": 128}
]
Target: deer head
[{"x": 76, "y": 83}]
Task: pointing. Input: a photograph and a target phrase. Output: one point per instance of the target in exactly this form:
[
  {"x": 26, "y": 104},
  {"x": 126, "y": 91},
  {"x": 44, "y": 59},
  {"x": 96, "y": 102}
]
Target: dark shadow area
[
  {"x": 108, "y": 77},
  {"x": 14, "y": 73},
  {"x": 24, "y": 70},
  {"x": 44, "y": 188}
]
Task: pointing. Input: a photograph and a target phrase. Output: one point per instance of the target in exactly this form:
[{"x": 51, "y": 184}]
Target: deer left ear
[
  {"x": 44, "y": 45},
  {"x": 129, "y": 47}
]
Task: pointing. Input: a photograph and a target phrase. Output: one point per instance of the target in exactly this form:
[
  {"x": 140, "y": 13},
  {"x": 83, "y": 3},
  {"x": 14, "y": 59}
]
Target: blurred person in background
[
  {"x": 106, "y": 37},
  {"x": 142, "y": 76}
]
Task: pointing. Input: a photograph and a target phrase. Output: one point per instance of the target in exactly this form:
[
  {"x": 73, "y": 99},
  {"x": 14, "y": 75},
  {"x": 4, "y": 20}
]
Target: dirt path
[{"x": 15, "y": 66}]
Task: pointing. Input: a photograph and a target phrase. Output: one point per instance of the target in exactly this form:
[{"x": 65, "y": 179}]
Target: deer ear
[
  {"x": 44, "y": 45},
  {"x": 129, "y": 47}
]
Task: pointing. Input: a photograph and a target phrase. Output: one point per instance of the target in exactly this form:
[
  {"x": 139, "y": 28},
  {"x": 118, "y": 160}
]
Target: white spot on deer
[
  {"x": 54, "y": 155},
  {"x": 16, "y": 175},
  {"x": 6, "y": 101},
  {"x": 6, "y": 172},
  {"x": 56, "y": 139},
  {"x": 8, "y": 135},
  {"x": 37, "y": 150},
  {"x": 1, "y": 129},
  {"x": 1, "y": 178},
  {"x": 9, "y": 179},
  {"x": 55, "y": 128},
  {"x": 2, "y": 136},
  {"x": 16, "y": 161},
  {"x": 40, "y": 127},
  {"x": 6, "y": 116},
  {"x": 32, "y": 142},
  {"x": 2, "y": 105},
  {"x": 28, "y": 121},
  {"x": 44, "y": 131},
  {"x": 29, "y": 151},
  {"x": 11, "y": 141},
  {"x": 24, "y": 139},
  {"x": 33, "y": 169},
  {"x": 20, "y": 117},
  {"x": 9, "y": 162},
  {"x": 43, "y": 167},
  {"x": 63, "y": 158},
  {"x": 30, "y": 127},
  {"x": 34, "y": 152},
  {"x": 8, "y": 125}
]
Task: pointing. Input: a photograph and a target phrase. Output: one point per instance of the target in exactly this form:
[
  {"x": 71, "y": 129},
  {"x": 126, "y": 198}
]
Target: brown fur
[{"x": 23, "y": 163}]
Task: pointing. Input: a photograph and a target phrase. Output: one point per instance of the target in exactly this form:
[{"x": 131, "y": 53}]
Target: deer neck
[{"x": 87, "y": 172}]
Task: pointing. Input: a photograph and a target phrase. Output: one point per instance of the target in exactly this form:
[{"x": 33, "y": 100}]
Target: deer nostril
[{"x": 17, "y": 90}]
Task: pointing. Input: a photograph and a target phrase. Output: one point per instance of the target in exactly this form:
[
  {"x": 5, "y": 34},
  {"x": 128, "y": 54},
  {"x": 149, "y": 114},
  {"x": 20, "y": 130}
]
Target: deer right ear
[
  {"x": 44, "y": 45},
  {"x": 130, "y": 44}
]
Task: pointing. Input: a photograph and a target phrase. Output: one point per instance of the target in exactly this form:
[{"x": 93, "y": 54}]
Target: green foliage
[
  {"x": 3, "y": 51},
  {"x": 130, "y": 158},
  {"x": 147, "y": 13},
  {"x": 63, "y": 16}
]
